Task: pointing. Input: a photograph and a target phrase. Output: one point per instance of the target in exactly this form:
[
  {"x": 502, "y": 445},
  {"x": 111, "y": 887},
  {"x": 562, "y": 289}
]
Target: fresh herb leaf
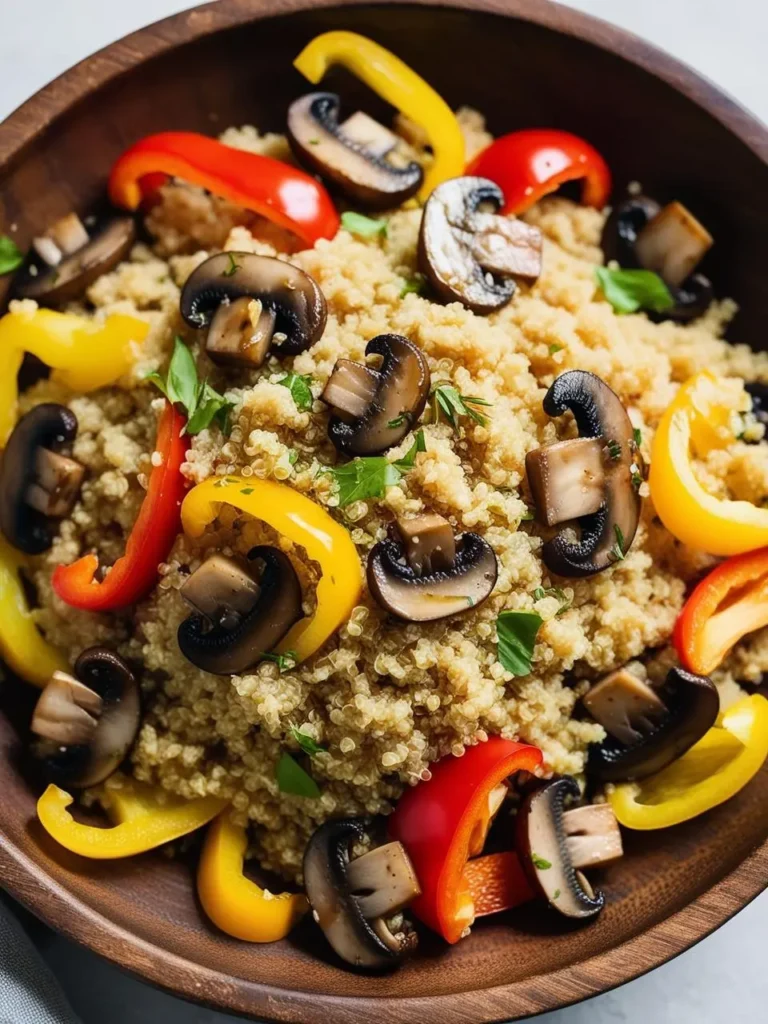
[
  {"x": 527, "y": 516},
  {"x": 298, "y": 385},
  {"x": 540, "y": 862},
  {"x": 286, "y": 661},
  {"x": 370, "y": 477},
  {"x": 293, "y": 456},
  {"x": 614, "y": 449},
  {"x": 362, "y": 226},
  {"x": 291, "y": 778},
  {"x": 210, "y": 406},
  {"x": 409, "y": 459},
  {"x": 11, "y": 257},
  {"x": 398, "y": 421},
  {"x": 638, "y": 436},
  {"x": 558, "y": 592},
  {"x": 556, "y": 894},
  {"x": 447, "y": 401},
  {"x": 233, "y": 267},
  {"x": 618, "y": 548},
  {"x": 415, "y": 285},
  {"x": 307, "y": 744},
  {"x": 517, "y": 637},
  {"x": 630, "y": 290},
  {"x": 314, "y": 142},
  {"x": 555, "y": 348},
  {"x": 637, "y": 480},
  {"x": 181, "y": 386}
]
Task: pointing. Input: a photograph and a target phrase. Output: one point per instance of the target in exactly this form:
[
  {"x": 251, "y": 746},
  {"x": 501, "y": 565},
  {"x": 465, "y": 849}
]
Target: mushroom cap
[
  {"x": 80, "y": 765},
  {"x": 46, "y": 426},
  {"x": 402, "y": 388},
  {"x": 363, "y": 175},
  {"x": 598, "y": 412},
  {"x": 232, "y": 651},
  {"x": 693, "y": 703},
  {"x": 541, "y": 842},
  {"x": 294, "y": 297},
  {"x": 436, "y": 595},
  {"x": 53, "y": 286}
]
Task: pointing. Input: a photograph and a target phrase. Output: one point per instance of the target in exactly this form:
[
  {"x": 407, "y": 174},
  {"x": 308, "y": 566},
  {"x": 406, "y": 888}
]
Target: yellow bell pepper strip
[
  {"x": 83, "y": 353},
  {"x": 711, "y": 772},
  {"x": 302, "y": 521},
  {"x": 143, "y": 817},
  {"x": 696, "y": 517},
  {"x": 396, "y": 83},
  {"x": 233, "y": 902},
  {"x": 22, "y": 647}
]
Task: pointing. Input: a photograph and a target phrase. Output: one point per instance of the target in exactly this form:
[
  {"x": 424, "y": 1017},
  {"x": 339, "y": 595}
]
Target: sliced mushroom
[
  {"x": 70, "y": 259},
  {"x": 351, "y": 900},
  {"x": 353, "y": 155},
  {"x": 429, "y": 543},
  {"x": 567, "y": 479},
  {"x": 543, "y": 846},
  {"x": 673, "y": 244},
  {"x": 691, "y": 705},
  {"x": 238, "y": 620},
  {"x": 425, "y": 597},
  {"x": 625, "y": 706},
  {"x": 592, "y": 836},
  {"x": 607, "y": 533},
  {"x": 87, "y": 723},
  {"x": 37, "y": 482},
  {"x": 397, "y": 394},
  {"x": 471, "y": 256},
  {"x": 292, "y": 312}
]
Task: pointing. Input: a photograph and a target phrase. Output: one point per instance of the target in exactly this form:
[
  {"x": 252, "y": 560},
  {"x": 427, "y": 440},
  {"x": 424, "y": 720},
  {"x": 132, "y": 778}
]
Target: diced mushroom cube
[
  {"x": 350, "y": 388},
  {"x": 429, "y": 543},
  {"x": 625, "y": 706},
  {"x": 567, "y": 479},
  {"x": 383, "y": 880},
  {"x": 56, "y": 484},
  {"x": 673, "y": 244},
  {"x": 240, "y": 333},
  {"x": 592, "y": 835},
  {"x": 222, "y": 591}
]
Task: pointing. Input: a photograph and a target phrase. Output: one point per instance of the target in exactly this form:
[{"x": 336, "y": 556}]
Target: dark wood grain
[{"x": 524, "y": 62}]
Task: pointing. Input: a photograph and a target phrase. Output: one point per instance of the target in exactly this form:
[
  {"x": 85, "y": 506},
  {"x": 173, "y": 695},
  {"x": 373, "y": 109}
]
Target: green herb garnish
[
  {"x": 181, "y": 386},
  {"x": 416, "y": 285},
  {"x": 362, "y": 226},
  {"x": 285, "y": 662},
  {"x": 540, "y": 862},
  {"x": 398, "y": 421},
  {"x": 517, "y": 637},
  {"x": 447, "y": 401},
  {"x": 556, "y": 894},
  {"x": 638, "y": 436},
  {"x": 555, "y": 348},
  {"x": 307, "y": 744},
  {"x": 630, "y": 290},
  {"x": 558, "y": 592},
  {"x": 409, "y": 459},
  {"x": 617, "y": 551},
  {"x": 637, "y": 480},
  {"x": 614, "y": 450},
  {"x": 298, "y": 385},
  {"x": 233, "y": 267},
  {"x": 11, "y": 257},
  {"x": 370, "y": 477},
  {"x": 291, "y": 778}
]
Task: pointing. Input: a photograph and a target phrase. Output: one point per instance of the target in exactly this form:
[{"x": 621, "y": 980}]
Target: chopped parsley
[
  {"x": 398, "y": 421},
  {"x": 11, "y": 257},
  {"x": 306, "y": 742},
  {"x": 540, "y": 863},
  {"x": 558, "y": 592},
  {"x": 286, "y": 661},
  {"x": 637, "y": 480},
  {"x": 614, "y": 449},
  {"x": 415, "y": 285},
  {"x": 553, "y": 349},
  {"x": 630, "y": 290},
  {"x": 447, "y": 402},
  {"x": 370, "y": 477},
  {"x": 362, "y": 226},
  {"x": 182, "y": 386},
  {"x": 638, "y": 436},
  {"x": 299, "y": 386},
  {"x": 618, "y": 549},
  {"x": 233, "y": 267},
  {"x": 517, "y": 637},
  {"x": 556, "y": 894},
  {"x": 291, "y": 778}
]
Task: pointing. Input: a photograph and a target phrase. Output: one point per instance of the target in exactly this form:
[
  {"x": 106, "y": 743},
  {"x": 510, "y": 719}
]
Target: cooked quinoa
[{"x": 386, "y": 699}]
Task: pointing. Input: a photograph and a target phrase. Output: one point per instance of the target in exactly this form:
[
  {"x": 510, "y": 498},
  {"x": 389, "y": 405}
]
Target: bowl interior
[{"x": 520, "y": 74}]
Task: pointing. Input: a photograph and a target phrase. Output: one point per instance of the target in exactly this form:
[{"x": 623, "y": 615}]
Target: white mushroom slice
[
  {"x": 366, "y": 132},
  {"x": 241, "y": 333},
  {"x": 222, "y": 591},
  {"x": 567, "y": 479},
  {"x": 592, "y": 835},
  {"x": 69, "y": 234},
  {"x": 626, "y": 707},
  {"x": 429, "y": 543},
  {"x": 350, "y": 388},
  {"x": 673, "y": 244},
  {"x": 67, "y": 712},
  {"x": 56, "y": 484},
  {"x": 48, "y": 251},
  {"x": 383, "y": 881},
  {"x": 506, "y": 245}
]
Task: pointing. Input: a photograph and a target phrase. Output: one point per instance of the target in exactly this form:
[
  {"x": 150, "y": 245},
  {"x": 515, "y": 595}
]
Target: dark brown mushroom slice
[
  {"x": 607, "y": 534},
  {"x": 428, "y": 542},
  {"x": 285, "y": 292},
  {"x": 240, "y": 333},
  {"x": 692, "y": 705},
  {"x": 673, "y": 244},
  {"x": 416, "y": 597},
  {"x": 542, "y": 845},
  {"x": 70, "y": 259},
  {"x": 352, "y": 156},
  {"x": 397, "y": 400},
  {"x": 232, "y": 631},
  {"x": 567, "y": 479},
  {"x": 37, "y": 482},
  {"x": 625, "y": 706},
  {"x": 87, "y": 724},
  {"x": 351, "y": 900},
  {"x": 471, "y": 256}
]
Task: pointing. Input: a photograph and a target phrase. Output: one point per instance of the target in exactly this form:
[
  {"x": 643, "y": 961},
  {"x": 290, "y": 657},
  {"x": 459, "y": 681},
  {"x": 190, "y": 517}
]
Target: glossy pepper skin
[
  {"x": 711, "y": 772},
  {"x": 133, "y": 576},
  {"x": 728, "y": 603},
  {"x": 269, "y": 187},
  {"x": 497, "y": 882},
  {"x": 233, "y": 902},
  {"x": 23, "y": 648},
  {"x": 443, "y": 822},
  {"x": 143, "y": 817},
  {"x": 693, "y": 515},
  {"x": 400, "y": 86},
  {"x": 302, "y": 521},
  {"x": 83, "y": 354},
  {"x": 531, "y": 163}
]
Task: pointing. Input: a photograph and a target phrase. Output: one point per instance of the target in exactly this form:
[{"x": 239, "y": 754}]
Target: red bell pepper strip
[
  {"x": 497, "y": 882},
  {"x": 132, "y": 577},
  {"x": 277, "y": 191},
  {"x": 728, "y": 603},
  {"x": 529, "y": 164},
  {"x": 443, "y": 822}
]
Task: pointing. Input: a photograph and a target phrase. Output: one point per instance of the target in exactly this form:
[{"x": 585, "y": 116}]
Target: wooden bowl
[{"x": 523, "y": 62}]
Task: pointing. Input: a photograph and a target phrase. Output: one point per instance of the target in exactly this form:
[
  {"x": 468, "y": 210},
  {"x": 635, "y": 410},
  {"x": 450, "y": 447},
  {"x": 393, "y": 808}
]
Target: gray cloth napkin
[{"x": 29, "y": 993}]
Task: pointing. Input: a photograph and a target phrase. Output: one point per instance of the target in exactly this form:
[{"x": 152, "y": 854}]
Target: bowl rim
[{"x": 39, "y": 893}]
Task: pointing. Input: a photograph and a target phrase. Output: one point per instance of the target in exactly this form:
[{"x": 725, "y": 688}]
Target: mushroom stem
[
  {"x": 56, "y": 484},
  {"x": 673, "y": 244},
  {"x": 367, "y": 133},
  {"x": 626, "y": 707},
  {"x": 383, "y": 881},
  {"x": 429, "y": 543},
  {"x": 592, "y": 835},
  {"x": 350, "y": 388},
  {"x": 567, "y": 479},
  {"x": 221, "y": 591},
  {"x": 67, "y": 712},
  {"x": 241, "y": 333}
]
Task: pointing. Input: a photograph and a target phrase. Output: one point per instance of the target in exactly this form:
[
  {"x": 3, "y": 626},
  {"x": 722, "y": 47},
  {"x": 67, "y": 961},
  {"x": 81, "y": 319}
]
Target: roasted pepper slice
[
  {"x": 688, "y": 511},
  {"x": 233, "y": 902},
  {"x": 396, "y": 83},
  {"x": 271, "y": 188},
  {"x": 728, "y": 603},
  {"x": 443, "y": 822},
  {"x": 497, "y": 882},
  {"x": 143, "y": 819},
  {"x": 132, "y": 577},
  {"x": 23, "y": 648},
  {"x": 711, "y": 772},
  {"x": 302, "y": 521},
  {"x": 84, "y": 354}
]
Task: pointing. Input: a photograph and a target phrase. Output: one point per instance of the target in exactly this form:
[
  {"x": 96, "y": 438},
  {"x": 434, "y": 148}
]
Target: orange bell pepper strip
[
  {"x": 497, "y": 882},
  {"x": 233, "y": 902}
]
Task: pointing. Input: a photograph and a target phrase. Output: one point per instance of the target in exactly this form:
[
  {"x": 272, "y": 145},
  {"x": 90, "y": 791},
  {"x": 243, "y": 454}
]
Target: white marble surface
[{"x": 722, "y": 979}]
